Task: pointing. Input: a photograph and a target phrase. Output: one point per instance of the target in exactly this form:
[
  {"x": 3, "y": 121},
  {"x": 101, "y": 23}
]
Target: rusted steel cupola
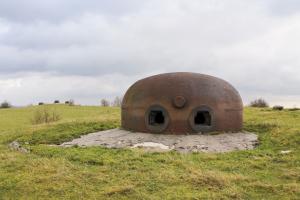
[{"x": 180, "y": 103}]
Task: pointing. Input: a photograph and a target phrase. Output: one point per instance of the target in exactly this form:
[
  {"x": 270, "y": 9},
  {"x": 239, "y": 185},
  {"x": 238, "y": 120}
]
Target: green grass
[{"x": 49, "y": 172}]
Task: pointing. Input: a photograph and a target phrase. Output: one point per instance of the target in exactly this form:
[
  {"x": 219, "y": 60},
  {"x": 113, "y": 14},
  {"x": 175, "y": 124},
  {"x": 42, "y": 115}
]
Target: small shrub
[
  {"x": 41, "y": 103},
  {"x": 5, "y": 104},
  {"x": 67, "y": 102},
  {"x": 71, "y": 102},
  {"x": 104, "y": 103},
  {"x": 45, "y": 116},
  {"x": 56, "y": 101},
  {"x": 278, "y": 107},
  {"x": 117, "y": 102},
  {"x": 259, "y": 103}
]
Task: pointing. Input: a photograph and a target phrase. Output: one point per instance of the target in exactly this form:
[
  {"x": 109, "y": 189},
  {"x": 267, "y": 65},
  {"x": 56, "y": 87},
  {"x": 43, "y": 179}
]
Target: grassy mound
[{"x": 49, "y": 172}]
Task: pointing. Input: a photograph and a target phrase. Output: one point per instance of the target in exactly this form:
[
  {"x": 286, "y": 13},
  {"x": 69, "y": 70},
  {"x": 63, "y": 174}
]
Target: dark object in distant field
[
  {"x": 259, "y": 103},
  {"x": 5, "y": 104},
  {"x": 181, "y": 103},
  {"x": 41, "y": 103},
  {"x": 70, "y": 102},
  {"x": 278, "y": 107},
  {"x": 56, "y": 101}
]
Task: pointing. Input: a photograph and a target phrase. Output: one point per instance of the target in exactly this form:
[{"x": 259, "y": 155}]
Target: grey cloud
[
  {"x": 248, "y": 43},
  {"x": 283, "y": 8},
  {"x": 160, "y": 36},
  {"x": 55, "y": 11},
  {"x": 59, "y": 10}
]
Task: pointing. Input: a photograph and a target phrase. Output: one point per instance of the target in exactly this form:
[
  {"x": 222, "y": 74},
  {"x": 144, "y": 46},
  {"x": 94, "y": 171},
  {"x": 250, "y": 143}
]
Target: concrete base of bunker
[{"x": 117, "y": 138}]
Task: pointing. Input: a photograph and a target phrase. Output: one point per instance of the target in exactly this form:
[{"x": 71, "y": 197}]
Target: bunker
[{"x": 182, "y": 103}]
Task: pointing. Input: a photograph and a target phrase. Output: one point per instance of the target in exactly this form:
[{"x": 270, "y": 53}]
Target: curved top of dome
[{"x": 193, "y": 87}]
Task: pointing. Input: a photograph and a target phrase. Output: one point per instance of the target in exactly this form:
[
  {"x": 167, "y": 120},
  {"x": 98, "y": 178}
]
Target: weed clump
[
  {"x": 121, "y": 190},
  {"x": 259, "y": 103},
  {"x": 71, "y": 102},
  {"x": 45, "y": 116}
]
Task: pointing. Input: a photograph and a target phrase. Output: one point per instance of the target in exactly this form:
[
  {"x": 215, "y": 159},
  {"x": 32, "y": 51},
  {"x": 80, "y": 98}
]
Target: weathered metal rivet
[{"x": 179, "y": 101}]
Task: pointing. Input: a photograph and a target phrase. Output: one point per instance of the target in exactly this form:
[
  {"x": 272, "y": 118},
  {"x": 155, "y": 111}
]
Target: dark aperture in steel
[
  {"x": 202, "y": 118},
  {"x": 156, "y": 119},
  {"x": 180, "y": 103}
]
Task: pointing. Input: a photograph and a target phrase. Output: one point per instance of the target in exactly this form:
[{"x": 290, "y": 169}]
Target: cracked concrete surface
[{"x": 117, "y": 138}]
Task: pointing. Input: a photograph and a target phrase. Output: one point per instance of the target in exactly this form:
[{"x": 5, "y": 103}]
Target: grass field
[{"x": 49, "y": 172}]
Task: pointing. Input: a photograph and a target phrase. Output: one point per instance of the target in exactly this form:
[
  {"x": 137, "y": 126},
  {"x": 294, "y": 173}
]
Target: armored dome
[{"x": 182, "y": 103}]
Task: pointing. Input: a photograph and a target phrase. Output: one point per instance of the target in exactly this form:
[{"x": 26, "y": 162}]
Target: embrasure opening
[
  {"x": 156, "y": 118},
  {"x": 202, "y": 118}
]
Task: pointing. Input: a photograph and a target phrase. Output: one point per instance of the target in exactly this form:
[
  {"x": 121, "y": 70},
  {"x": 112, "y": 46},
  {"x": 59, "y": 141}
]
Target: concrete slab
[{"x": 117, "y": 138}]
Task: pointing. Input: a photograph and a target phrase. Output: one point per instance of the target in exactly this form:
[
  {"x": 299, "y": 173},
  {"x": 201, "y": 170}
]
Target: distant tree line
[
  {"x": 117, "y": 102},
  {"x": 259, "y": 103},
  {"x": 262, "y": 103}
]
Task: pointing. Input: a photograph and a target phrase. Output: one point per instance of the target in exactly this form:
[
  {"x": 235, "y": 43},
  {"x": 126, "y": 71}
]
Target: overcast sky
[{"x": 93, "y": 49}]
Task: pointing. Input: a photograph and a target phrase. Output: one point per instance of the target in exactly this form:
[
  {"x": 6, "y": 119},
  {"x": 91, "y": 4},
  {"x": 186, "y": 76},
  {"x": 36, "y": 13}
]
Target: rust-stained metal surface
[{"x": 181, "y": 103}]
